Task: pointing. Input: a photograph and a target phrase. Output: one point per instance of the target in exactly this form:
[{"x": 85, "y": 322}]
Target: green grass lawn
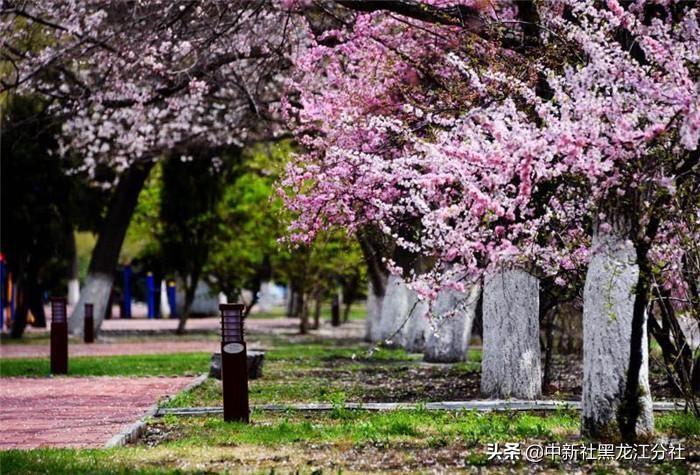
[
  {"x": 334, "y": 442},
  {"x": 343, "y": 426},
  {"x": 33, "y": 338},
  {"x": 124, "y": 365},
  {"x": 321, "y": 372}
]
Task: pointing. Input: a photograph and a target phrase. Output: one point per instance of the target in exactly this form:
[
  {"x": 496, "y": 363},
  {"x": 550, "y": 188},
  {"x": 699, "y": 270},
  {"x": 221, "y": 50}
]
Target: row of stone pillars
[{"x": 511, "y": 361}]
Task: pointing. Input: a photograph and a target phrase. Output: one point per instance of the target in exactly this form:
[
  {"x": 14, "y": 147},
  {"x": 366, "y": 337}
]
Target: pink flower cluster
[
  {"x": 135, "y": 80},
  {"x": 441, "y": 139}
]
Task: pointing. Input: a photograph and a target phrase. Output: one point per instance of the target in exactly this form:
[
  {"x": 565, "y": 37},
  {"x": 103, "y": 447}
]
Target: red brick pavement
[
  {"x": 176, "y": 344},
  {"x": 108, "y": 349},
  {"x": 75, "y": 412},
  {"x": 198, "y": 324}
]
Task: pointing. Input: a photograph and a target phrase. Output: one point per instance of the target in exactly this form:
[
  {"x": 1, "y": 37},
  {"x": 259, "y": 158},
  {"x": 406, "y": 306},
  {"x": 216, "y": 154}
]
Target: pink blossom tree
[
  {"x": 478, "y": 150},
  {"x": 135, "y": 81}
]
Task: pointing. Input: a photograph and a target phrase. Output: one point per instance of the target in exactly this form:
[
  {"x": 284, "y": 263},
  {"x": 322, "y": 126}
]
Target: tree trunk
[
  {"x": 350, "y": 296},
  {"x": 415, "y": 330},
  {"x": 635, "y": 416},
  {"x": 105, "y": 255},
  {"x": 677, "y": 351},
  {"x": 447, "y": 338},
  {"x": 304, "y": 317},
  {"x": 394, "y": 313},
  {"x": 265, "y": 301},
  {"x": 190, "y": 292},
  {"x": 510, "y": 365},
  {"x": 295, "y": 302},
  {"x": 478, "y": 325},
  {"x": 608, "y": 311},
  {"x": 317, "y": 311},
  {"x": 35, "y": 304},
  {"x": 347, "y": 308},
  {"x": 290, "y": 301},
  {"x": 373, "y": 250},
  {"x": 374, "y": 313},
  {"x": 548, "y": 345},
  {"x": 29, "y": 298},
  {"x": 73, "y": 281},
  {"x": 19, "y": 323},
  {"x": 335, "y": 310}
]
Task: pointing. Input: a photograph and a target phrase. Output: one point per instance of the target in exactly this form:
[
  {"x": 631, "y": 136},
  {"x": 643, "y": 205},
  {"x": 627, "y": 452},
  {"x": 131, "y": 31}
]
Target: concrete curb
[
  {"x": 477, "y": 405},
  {"x": 133, "y": 431}
]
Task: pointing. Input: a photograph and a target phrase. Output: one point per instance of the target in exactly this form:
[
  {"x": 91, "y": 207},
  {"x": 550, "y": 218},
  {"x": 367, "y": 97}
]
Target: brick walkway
[
  {"x": 276, "y": 326},
  {"x": 108, "y": 349},
  {"x": 175, "y": 344},
  {"x": 75, "y": 412}
]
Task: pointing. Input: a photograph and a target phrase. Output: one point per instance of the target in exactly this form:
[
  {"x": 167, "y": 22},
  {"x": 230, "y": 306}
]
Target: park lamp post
[
  {"x": 89, "y": 330},
  {"x": 234, "y": 368},
  {"x": 59, "y": 336}
]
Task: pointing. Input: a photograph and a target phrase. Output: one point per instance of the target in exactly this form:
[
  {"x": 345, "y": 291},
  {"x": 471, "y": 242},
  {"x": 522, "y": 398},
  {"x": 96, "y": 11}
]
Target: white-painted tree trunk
[
  {"x": 415, "y": 330},
  {"x": 164, "y": 304},
  {"x": 95, "y": 291},
  {"x": 447, "y": 337},
  {"x": 374, "y": 315},
  {"x": 608, "y": 301},
  {"x": 395, "y": 309},
  {"x": 73, "y": 292},
  {"x": 510, "y": 365},
  {"x": 267, "y": 297}
]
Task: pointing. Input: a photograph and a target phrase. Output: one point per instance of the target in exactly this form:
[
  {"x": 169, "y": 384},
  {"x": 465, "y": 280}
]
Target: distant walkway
[
  {"x": 76, "y": 412},
  {"x": 277, "y": 326},
  {"x": 111, "y": 349},
  {"x": 111, "y": 345},
  {"x": 274, "y": 326}
]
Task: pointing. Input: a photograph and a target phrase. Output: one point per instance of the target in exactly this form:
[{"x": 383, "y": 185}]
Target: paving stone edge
[{"x": 132, "y": 432}]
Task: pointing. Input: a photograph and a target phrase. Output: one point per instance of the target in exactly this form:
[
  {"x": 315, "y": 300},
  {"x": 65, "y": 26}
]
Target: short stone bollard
[{"x": 255, "y": 360}]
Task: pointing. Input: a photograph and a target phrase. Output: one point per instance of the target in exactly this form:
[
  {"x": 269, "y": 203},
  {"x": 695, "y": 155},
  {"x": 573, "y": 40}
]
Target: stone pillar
[
  {"x": 510, "y": 365},
  {"x": 608, "y": 301},
  {"x": 395, "y": 308},
  {"x": 447, "y": 338}
]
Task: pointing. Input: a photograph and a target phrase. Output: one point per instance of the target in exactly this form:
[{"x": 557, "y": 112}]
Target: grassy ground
[
  {"x": 306, "y": 369},
  {"x": 33, "y": 338},
  {"x": 341, "y": 441},
  {"x": 330, "y": 371}
]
